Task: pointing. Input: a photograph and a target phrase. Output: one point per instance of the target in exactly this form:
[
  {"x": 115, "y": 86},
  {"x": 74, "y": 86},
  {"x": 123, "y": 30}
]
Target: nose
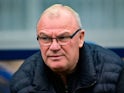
[{"x": 55, "y": 45}]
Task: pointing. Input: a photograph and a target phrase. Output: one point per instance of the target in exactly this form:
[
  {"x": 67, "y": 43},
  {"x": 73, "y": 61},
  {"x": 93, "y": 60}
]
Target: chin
[
  {"x": 58, "y": 68},
  {"x": 57, "y": 65}
]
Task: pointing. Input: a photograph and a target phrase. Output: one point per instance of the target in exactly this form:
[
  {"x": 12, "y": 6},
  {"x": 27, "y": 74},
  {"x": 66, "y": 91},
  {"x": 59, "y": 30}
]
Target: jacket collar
[{"x": 85, "y": 72}]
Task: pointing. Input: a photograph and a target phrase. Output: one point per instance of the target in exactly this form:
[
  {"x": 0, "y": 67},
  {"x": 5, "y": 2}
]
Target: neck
[
  {"x": 64, "y": 79},
  {"x": 64, "y": 76}
]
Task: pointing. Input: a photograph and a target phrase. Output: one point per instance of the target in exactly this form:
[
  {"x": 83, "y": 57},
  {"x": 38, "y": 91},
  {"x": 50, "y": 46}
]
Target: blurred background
[{"x": 103, "y": 21}]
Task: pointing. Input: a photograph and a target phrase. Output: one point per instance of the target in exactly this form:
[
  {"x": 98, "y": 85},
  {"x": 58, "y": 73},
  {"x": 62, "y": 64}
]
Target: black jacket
[
  {"x": 97, "y": 72},
  {"x": 120, "y": 86}
]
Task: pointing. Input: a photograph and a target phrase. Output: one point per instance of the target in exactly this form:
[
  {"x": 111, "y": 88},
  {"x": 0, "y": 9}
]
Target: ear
[{"x": 81, "y": 38}]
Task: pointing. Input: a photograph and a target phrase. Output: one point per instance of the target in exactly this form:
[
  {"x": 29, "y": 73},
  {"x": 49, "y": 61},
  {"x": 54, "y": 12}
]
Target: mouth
[{"x": 55, "y": 57}]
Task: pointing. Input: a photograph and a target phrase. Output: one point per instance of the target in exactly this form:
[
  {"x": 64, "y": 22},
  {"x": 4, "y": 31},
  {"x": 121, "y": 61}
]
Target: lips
[{"x": 55, "y": 57}]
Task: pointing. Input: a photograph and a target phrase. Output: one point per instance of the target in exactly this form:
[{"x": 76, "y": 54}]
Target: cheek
[
  {"x": 75, "y": 45},
  {"x": 72, "y": 51},
  {"x": 75, "y": 49},
  {"x": 43, "y": 53},
  {"x": 72, "y": 55}
]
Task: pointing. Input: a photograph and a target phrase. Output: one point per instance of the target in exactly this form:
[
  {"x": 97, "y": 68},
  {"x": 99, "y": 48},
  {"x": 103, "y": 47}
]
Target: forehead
[{"x": 54, "y": 32}]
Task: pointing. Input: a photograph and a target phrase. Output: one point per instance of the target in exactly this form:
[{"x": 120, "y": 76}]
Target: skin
[{"x": 60, "y": 59}]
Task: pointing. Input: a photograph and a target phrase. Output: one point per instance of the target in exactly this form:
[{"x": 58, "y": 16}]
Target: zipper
[
  {"x": 88, "y": 86},
  {"x": 66, "y": 89}
]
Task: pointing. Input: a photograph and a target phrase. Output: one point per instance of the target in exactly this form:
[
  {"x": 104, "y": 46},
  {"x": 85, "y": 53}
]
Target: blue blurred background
[{"x": 102, "y": 19}]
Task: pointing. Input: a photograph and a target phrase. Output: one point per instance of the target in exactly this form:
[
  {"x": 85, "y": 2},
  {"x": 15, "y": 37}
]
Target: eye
[
  {"x": 45, "y": 38},
  {"x": 63, "y": 38}
]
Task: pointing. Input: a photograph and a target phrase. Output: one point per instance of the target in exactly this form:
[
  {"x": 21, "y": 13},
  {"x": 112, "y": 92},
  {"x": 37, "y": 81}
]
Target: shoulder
[
  {"x": 102, "y": 54},
  {"x": 120, "y": 86},
  {"x": 105, "y": 59},
  {"x": 25, "y": 74},
  {"x": 31, "y": 62},
  {"x": 108, "y": 66}
]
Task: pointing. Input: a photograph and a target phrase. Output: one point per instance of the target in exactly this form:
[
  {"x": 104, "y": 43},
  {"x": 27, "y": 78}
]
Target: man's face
[{"x": 60, "y": 58}]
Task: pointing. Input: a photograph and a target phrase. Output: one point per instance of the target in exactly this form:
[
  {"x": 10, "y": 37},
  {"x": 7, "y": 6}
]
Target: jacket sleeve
[
  {"x": 120, "y": 86},
  {"x": 21, "y": 80}
]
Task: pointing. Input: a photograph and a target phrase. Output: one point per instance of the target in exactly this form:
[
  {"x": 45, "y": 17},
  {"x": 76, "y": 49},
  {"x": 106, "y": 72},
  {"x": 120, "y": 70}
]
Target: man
[{"x": 65, "y": 63}]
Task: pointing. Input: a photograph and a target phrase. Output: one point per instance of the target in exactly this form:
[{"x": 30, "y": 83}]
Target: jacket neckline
[{"x": 85, "y": 73}]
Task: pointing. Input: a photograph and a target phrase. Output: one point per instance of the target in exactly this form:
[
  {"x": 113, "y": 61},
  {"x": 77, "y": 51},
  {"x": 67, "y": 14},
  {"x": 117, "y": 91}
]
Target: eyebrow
[
  {"x": 43, "y": 34},
  {"x": 59, "y": 34}
]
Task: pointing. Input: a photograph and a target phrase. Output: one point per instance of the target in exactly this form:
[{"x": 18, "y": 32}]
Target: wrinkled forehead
[{"x": 57, "y": 17}]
